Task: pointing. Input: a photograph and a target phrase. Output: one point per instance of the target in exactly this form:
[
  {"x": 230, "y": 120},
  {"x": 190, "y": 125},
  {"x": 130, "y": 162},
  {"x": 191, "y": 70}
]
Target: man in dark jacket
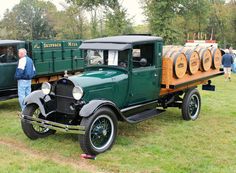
[
  {"x": 24, "y": 73},
  {"x": 227, "y": 61}
]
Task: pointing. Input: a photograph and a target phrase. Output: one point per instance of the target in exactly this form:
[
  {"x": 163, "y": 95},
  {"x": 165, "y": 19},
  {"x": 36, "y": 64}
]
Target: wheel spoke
[
  {"x": 38, "y": 128},
  {"x": 193, "y": 105},
  {"x": 100, "y": 132}
]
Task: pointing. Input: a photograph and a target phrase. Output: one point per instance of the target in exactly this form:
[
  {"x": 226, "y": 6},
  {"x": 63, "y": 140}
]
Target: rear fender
[
  {"x": 38, "y": 98},
  {"x": 91, "y": 107}
]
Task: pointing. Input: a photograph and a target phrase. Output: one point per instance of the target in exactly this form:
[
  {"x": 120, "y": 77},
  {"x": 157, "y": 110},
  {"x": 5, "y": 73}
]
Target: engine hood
[
  {"x": 98, "y": 77},
  {"x": 103, "y": 83}
]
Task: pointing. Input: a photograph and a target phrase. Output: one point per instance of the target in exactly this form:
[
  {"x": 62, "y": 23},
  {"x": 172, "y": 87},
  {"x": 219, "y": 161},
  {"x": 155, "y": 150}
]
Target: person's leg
[
  {"x": 27, "y": 90},
  {"x": 21, "y": 93},
  {"x": 229, "y": 73},
  {"x": 225, "y": 73}
]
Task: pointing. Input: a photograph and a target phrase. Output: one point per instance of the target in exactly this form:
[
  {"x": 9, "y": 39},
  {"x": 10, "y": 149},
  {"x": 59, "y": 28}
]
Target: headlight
[
  {"x": 46, "y": 88},
  {"x": 77, "y": 92}
]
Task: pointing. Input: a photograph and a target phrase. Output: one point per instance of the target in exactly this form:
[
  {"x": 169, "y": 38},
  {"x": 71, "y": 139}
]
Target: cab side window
[
  {"x": 8, "y": 54},
  {"x": 123, "y": 58},
  {"x": 143, "y": 55}
]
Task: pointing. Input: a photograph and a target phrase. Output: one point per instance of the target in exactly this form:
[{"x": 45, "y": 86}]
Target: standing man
[
  {"x": 227, "y": 61},
  {"x": 24, "y": 73}
]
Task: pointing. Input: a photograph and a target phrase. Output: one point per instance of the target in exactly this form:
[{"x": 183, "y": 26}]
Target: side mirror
[{"x": 143, "y": 62}]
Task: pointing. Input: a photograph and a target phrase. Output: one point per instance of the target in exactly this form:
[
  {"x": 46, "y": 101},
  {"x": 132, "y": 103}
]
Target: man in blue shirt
[
  {"x": 227, "y": 61},
  {"x": 24, "y": 73}
]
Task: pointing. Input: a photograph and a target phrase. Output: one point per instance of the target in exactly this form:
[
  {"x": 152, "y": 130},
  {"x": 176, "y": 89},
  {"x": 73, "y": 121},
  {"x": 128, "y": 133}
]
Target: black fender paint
[
  {"x": 89, "y": 108},
  {"x": 37, "y": 97}
]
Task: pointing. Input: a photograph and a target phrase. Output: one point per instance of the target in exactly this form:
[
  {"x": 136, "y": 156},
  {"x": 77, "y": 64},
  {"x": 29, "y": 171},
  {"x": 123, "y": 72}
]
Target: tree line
[{"x": 174, "y": 20}]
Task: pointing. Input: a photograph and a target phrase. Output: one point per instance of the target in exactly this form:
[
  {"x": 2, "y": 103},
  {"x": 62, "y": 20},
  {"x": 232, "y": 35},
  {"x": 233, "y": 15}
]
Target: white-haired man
[{"x": 24, "y": 73}]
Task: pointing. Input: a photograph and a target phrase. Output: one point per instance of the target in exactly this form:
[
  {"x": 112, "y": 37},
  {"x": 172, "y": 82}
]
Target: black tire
[
  {"x": 191, "y": 105},
  {"x": 96, "y": 132},
  {"x": 33, "y": 131}
]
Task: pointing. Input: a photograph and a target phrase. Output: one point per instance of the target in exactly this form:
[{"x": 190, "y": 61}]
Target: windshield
[{"x": 107, "y": 57}]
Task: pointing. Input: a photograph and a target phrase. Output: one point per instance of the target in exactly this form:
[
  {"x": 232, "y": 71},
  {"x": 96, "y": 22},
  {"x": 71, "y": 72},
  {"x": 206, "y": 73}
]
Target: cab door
[
  {"x": 8, "y": 64},
  {"x": 144, "y": 77}
]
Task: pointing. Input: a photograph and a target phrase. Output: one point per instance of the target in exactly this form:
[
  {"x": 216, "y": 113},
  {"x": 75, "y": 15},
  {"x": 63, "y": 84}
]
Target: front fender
[
  {"x": 38, "y": 98},
  {"x": 88, "y": 109}
]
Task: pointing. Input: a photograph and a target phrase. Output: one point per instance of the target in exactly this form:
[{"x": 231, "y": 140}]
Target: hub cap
[
  {"x": 101, "y": 132},
  {"x": 38, "y": 128},
  {"x": 193, "y": 107}
]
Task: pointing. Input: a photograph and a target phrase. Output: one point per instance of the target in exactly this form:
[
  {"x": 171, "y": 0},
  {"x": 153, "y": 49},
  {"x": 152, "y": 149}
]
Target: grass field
[{"x": 163, "y": 144}]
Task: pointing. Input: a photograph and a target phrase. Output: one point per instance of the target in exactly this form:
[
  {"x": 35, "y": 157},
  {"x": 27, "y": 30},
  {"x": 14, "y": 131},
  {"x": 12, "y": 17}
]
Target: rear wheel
[
  {"x": 34, "y": 131},
  {"x": 191, "y": 105},
  {"x": 100, "y": 132}
]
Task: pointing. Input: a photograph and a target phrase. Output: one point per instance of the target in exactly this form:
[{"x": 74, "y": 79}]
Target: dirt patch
[{"x": 79, "y": 164}]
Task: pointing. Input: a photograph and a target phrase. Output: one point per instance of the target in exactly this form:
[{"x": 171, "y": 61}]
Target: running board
[
  {"x": 144, "y": 115},
  {"x": 3, "y": 98},
  {"x": 8, "y": 94}
]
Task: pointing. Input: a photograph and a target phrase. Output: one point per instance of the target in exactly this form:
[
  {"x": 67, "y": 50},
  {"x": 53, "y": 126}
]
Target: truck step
[{"x": 144, "y": 115}]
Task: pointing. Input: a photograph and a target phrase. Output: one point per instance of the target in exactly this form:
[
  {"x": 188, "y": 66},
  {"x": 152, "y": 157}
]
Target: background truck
[
  {"x": 131, "y": 80},
  {"x": 51, "y": 59}
]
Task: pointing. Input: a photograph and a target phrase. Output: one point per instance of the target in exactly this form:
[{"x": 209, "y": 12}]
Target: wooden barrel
[
  {"x": 206, "y": 58},
  {"x": 193, "y": 59},
  {"x": 179, "y": 62},
  {"x": 216, "y": 57},
  {"x": 170, "y": 48}
]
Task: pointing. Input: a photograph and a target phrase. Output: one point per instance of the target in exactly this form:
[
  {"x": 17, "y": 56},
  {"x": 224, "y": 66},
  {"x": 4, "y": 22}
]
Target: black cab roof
[
  {"x": 10, "y": 42},
  {"x": 124, "y": 39},
  {"x": 117, "y": 42}
]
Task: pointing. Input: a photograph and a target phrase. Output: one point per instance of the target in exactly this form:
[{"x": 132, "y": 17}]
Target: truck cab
[
  {"x": 137, "y": 57},
  {"x": 8, "y": 63}
]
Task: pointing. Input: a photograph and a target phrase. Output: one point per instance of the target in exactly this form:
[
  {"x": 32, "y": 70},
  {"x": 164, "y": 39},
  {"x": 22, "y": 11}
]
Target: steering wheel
[
  {"x": 123, "y": 64},
  {"x": 2, "y": 55}
]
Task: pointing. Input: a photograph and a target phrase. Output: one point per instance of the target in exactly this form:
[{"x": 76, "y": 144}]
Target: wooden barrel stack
[{"x": 181, "y": 64}]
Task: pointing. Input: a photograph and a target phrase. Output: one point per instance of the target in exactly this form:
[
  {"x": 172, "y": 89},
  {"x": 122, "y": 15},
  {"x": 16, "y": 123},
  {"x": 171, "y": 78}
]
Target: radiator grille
[{"x": 64, "y": 97}]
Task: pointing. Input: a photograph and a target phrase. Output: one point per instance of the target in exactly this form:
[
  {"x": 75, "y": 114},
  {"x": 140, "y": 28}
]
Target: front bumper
[{"x": 74, "y": 129}]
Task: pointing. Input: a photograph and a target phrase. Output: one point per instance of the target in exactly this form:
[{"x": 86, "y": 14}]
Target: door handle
[{"x": 155, "y": 75}]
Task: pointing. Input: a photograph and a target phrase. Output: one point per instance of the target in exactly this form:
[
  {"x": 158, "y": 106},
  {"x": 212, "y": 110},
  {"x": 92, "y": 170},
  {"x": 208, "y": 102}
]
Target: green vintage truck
[
  {"x": 121, "y": 82},
  {"x": 51, "y": 59}
]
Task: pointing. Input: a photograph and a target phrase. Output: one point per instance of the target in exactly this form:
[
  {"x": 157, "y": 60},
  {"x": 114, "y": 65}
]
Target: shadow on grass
[
  {"x": 127, "y": 133},
  {"x": 60, "y": 136},
  {"x": 161, "y": 122},
  {"x": 9, "y": 105},
  {"x": 168, "y": 118}
]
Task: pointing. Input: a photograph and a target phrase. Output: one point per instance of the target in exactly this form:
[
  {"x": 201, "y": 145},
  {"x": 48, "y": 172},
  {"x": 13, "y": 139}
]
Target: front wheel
[
  {"x": 34, "y": 131},
  {"x": 100, "y": 132},
  {"x": 191, "y": 105}
]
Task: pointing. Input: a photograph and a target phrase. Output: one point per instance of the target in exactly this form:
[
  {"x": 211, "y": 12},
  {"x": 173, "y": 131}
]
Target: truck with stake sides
[{"x": 126, "y": 78}]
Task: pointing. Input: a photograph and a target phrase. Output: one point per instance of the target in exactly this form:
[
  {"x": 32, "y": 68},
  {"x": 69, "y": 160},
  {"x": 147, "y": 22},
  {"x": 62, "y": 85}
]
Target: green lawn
[{"x": 163, "y": 144}]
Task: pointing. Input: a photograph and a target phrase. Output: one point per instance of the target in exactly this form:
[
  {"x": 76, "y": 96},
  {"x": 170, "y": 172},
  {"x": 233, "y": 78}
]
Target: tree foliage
[
  {"x": 117, "y": 21},
  {"x": 160, "y": 15},
  {"x": 175, "y": 20},
  {"x": 107, "y": 17},
  {"x": 93, "y": 4},
  {"x": 71, "y": 23},
  {"x": 223, "y": 23},
  {"x": 29, "y": 20}
]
